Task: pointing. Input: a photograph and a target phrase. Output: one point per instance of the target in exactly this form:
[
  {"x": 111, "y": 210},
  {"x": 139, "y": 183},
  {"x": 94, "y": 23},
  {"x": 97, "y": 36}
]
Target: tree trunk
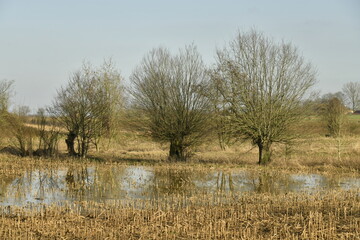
[
  {"x": 264, "y": 153},
  {"x": 30, "y": 147},
  {"x": 84, "y": 148},
  {"x": 176, "y": 152},
  {"x": 70, "y": 143}
]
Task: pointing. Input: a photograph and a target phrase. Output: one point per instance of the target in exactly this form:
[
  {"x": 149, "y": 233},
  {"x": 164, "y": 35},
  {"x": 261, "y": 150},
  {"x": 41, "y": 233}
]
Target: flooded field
[
  {"x": 86, "y": 200},
  {"x": 103, "y": 183}
]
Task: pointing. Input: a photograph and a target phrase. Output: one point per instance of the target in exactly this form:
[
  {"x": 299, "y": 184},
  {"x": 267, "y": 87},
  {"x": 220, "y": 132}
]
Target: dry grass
[
  {"x": 218, "y": 215},
  {"x": 311, "y": 149},
  {"x": 335, "y": 215},
  {"x": 325, "y": 215},
  {"x": 312, "y": 153}
]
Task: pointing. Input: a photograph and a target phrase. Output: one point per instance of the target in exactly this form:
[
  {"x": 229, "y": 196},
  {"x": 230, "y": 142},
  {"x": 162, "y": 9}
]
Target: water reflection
[
  {"x": 273, "y": 182},
  {"x": 102, "y": 183},
  {"x": 171, "y": 182}
]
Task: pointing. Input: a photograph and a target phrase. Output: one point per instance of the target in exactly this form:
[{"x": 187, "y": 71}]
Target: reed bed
[{"x": 331, "y": 215}]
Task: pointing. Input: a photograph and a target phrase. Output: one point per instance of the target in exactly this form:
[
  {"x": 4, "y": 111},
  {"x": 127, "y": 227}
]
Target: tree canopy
[
  {"x": 263, "y": 84},
  {"x": 87, "y": 106},
  {"x": 168, "y": 90}
]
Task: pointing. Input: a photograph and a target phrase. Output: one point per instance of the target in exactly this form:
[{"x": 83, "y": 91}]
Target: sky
[{"x": 43, "y": 41}]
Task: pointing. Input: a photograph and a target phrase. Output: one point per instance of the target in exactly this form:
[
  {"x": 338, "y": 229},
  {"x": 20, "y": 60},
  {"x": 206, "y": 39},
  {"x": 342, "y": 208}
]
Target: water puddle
[{"x": 103, "y": 183}]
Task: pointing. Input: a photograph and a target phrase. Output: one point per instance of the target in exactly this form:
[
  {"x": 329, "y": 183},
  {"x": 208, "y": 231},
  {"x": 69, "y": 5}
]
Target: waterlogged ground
[{"x": 103, "y": 183}]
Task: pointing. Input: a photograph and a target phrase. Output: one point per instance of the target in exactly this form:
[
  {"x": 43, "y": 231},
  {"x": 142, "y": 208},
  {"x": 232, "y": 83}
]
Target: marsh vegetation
[
  {"x": 88, "y": 199},
  {"x": 237, "y": 151}
]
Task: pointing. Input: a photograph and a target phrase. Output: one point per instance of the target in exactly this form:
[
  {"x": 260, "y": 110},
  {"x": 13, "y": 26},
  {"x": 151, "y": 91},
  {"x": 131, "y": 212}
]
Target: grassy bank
[{"x": 311, "y": 153}]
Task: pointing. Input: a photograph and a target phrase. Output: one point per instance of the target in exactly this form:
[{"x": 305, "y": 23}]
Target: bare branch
[
  {"x": 168, "y": 91},
  {"x": 263, "y": 84}
]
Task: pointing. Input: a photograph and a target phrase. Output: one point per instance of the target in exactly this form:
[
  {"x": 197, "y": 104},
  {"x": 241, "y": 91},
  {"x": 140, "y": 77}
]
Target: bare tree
[
  {"x": 328, "y": 96},
  {"x": 5, "y": 93},
  {"x": 48, "y": 133},
  {"x": 22, "y": 111},
  {"x": 263, "y": 84},
  {"x": 334, "y": 114},
  {"x": 23, "y": 135},
  {"x": 352, "y": 94},
  {"x": 110, "y": 95},
  {"x": 224, "y": 129},
  {"x": 168, "y": 91},
  {"x": 86, "y": 106}
]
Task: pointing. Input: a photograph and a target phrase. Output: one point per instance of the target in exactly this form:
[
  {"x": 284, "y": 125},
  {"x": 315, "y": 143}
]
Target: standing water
[{"x": 137, "y": 182}]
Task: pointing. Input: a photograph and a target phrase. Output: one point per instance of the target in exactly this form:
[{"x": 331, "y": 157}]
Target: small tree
[
  {"x": 328, "y": 96},
  {"x": 87, "y": 105},
  {"x": 110, "y": 95},
  {"x": 334, "y": 114},
  {"x": 264, "y": 84},
  {"x": 5, "y": 93},
  {"x": 6, "y": 89},
  {"x": 22, "y": 134},
  {"x": 48, "y": 133},
  {"x": 352, "y": 94},
  {"x": 168, "y": 90}
]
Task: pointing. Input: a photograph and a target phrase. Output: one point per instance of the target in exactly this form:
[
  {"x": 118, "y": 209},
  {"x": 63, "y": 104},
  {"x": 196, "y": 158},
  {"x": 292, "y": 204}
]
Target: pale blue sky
[{"x": 43, "y": 41}]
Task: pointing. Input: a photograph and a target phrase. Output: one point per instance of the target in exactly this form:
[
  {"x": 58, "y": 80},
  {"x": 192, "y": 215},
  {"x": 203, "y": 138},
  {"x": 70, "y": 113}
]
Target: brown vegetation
[
  {"x": 214, "y": 215},
  {"x": 335, "y": 215},
  {"x": 217, "y": 215}
]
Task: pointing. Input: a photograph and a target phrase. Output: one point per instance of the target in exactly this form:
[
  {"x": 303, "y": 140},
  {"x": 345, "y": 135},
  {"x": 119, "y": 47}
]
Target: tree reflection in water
[
  {"x": 171, "y": 181},
  {"x": 93, "y": 183},
  {"x": 102, "y": 183},
  {"x": 221, "y": 182}
]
